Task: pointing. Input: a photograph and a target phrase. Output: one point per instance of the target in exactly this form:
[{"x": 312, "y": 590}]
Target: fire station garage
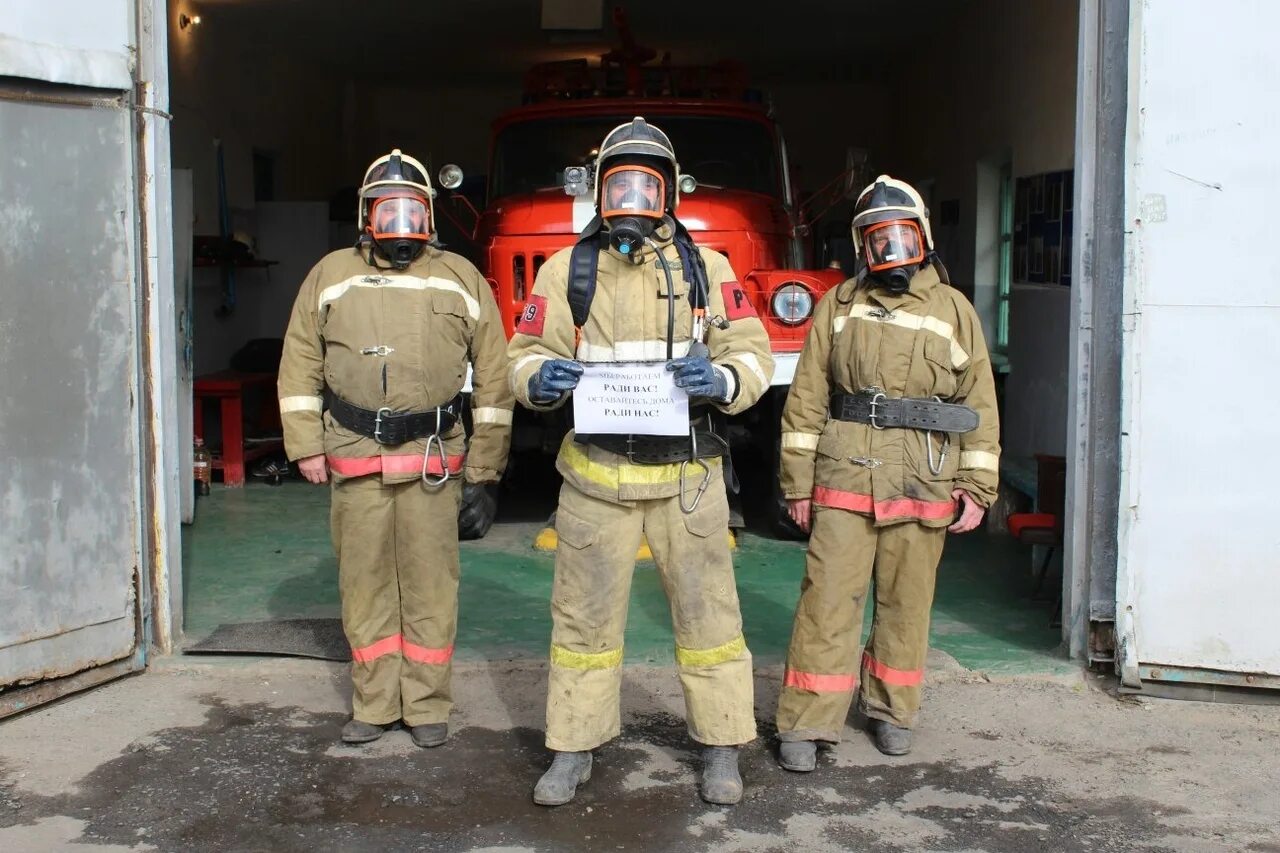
[{"x": 782, "y": 112}]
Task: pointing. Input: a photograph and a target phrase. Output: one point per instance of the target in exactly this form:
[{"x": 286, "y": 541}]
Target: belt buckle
[
  {"x": 875, "y": 404},
  {"x": 377, "y": 424}
]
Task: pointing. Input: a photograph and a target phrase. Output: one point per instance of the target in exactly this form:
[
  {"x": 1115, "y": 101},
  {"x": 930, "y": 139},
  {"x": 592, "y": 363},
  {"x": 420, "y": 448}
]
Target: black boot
[
  {"x": 429, "y": 734},
  {"x": 800, "y": 756},
  {"x": 891, "y": 739},
  {"x": 721, "y": 782},
  {"x": 358, "y": 731},
  {"x": 558, "y": 785}
]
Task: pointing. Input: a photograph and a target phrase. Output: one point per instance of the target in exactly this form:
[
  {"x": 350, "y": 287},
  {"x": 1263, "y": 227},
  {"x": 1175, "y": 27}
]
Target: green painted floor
[{"x": 262, "y": 552}]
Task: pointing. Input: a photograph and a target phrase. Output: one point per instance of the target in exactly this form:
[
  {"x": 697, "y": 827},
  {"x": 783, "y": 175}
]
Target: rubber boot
[
  {"x": 891, "y": 739},
  {"x": 558, "y": 785},
  {"x": 721, "y": 783},
  {"x": 429, "y": 734},
  {"x": 358, "y": 731},
  {"x": 800, "y": 756}
]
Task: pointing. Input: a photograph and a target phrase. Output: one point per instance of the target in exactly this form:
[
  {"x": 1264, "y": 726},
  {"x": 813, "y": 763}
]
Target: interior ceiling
[{"x": 784, "y": 39}]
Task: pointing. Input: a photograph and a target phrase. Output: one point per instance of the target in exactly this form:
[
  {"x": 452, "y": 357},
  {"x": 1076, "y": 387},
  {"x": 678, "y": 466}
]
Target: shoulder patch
[
  {"x": 534, "y": 317},
  {"x": 736, "y": 303}
]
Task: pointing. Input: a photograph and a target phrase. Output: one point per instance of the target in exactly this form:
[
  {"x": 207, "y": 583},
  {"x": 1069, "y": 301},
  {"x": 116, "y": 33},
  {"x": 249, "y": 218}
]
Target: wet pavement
[{"x": 243, "y": 755}]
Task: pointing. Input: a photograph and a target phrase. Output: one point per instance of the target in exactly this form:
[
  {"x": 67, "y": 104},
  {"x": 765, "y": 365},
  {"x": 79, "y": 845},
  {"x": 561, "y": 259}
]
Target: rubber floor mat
[{"x": 305, "y": 638}]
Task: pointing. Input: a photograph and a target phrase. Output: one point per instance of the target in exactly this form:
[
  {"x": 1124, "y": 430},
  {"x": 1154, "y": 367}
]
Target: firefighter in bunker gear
[
  {"x": 387, "y": 330},
  {"x": 651, "y": 297},
  {"x": 890, "y": 427}
]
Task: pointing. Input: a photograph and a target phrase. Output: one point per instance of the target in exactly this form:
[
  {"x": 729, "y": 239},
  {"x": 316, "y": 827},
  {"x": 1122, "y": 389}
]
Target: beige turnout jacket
[
  {"x": 399, "y": 339},
  {"x": 927, "y": 342}
]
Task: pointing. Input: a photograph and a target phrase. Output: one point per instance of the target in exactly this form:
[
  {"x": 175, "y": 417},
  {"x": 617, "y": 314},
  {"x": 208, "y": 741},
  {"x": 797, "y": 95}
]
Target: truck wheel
[{"x": 479, "y": 507}]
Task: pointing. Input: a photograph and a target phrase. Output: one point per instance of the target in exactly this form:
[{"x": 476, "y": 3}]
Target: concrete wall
[{"x": 998, "y": 87}]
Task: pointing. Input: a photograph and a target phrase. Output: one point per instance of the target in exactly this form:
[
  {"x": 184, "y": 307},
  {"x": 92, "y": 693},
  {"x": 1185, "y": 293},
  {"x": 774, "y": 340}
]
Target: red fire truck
[{"x": 744, "y": 204}]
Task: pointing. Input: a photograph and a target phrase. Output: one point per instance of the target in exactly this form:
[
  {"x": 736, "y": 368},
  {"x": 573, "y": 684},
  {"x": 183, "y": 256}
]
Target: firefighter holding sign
[{"x": 636, "y": 288}]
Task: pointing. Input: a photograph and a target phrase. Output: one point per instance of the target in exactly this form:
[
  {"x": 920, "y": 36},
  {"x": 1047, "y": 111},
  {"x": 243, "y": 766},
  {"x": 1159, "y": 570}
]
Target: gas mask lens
[
  {"x": 399, "y": 216},
  {"x": 632, "y": 191},
  {"x": 888, "y": 245}
]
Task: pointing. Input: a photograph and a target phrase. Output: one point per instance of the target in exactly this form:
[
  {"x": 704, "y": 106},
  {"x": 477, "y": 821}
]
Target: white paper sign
[{"x": 621, "y": 398}]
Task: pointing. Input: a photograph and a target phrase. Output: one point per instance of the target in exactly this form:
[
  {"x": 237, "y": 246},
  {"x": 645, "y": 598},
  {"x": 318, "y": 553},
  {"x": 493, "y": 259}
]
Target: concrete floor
[{"x": 242, "y": 755}]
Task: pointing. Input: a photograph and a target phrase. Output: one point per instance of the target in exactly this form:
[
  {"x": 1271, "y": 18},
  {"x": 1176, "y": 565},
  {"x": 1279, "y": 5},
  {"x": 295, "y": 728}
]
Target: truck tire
[{"x": 479, "y": 508}]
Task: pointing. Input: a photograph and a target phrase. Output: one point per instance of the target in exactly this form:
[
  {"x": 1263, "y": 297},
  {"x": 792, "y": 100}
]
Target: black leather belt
[
  {"x": 659, "y": 449},
  {"x": 387, "y": 427},
  {"x": 881, "y": 412}
]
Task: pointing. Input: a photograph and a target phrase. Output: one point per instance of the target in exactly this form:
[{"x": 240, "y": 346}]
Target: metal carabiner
[
  {"x": 702, "y": 487},
  {"x": 684, "y": 467},
  {"x": 426, "y": 456}
]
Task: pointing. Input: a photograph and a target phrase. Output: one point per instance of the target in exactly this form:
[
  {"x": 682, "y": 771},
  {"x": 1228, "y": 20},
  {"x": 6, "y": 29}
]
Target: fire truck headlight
[
  {"x": 792, "y": 303},
  {"x": 451, "y": 177}
]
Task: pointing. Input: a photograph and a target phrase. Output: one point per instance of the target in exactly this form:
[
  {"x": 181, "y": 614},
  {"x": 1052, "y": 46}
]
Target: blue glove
[
  {"x": 553, "y": 379},
  {"x": 697, "y": 376}
]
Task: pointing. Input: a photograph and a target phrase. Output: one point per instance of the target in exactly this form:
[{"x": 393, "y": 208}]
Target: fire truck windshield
[{"x": 718, "y": 151}]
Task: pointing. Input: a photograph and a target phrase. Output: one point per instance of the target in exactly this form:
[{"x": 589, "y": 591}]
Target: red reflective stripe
[
  {"x": 852, "y": 501},
  {"x": 422, "y": 654},
  {"x": 820, "y": 683},
  {"x": 385, "y": 646},
  {"x": 891, "y": 676},
  {"x": 914, "y": 508},
  {"x": 393, "y": 464},
  {"x": 896, "y": 508}
]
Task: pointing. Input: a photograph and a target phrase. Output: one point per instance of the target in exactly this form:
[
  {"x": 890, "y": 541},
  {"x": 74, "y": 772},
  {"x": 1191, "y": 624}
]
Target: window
[{"x": 1005, "y": 280}]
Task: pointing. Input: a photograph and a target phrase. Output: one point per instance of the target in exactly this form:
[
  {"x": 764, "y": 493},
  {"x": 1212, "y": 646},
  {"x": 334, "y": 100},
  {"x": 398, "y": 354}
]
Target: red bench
[{"x": 228, "y": 387}]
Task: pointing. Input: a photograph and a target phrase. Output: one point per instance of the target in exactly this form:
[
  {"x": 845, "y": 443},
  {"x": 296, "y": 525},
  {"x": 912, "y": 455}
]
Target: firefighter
[
  {"x": 636, "y": 288},
  {"x": 387, "y": 329},
  {"x": 889, "y": 440}
]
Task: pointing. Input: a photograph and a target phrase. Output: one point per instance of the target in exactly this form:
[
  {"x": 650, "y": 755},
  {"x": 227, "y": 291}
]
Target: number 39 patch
[
  {"x": 534, "y": 317},
  {"x": 736, "y": 303}
]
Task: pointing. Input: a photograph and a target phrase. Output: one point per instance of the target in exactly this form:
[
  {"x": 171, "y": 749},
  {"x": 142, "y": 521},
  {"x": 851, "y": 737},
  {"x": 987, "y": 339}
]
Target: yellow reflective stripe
[
  {"x": 979, "y": 459},
  {"x": 491, "y": 415},
  {"x": 403, "y": 282},
  {"x": 799, "y": 441},
  {"x": 300, "y": 404},
  {"x": 560, "y": 656},
  {"x": 614, "y": 475},
  {"x": 907, "y": 320},
  {"x": 710, "y": 657},
  {"x": 750, "y": 362},
  {"x": 730, "y": 381},
  {"x": 515, "y": 368}
]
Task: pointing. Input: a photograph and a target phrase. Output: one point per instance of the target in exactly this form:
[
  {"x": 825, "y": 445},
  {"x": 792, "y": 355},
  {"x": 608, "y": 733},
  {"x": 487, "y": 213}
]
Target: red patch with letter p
[
  {"x": 736, "y": 303},
  {"x": 534, "y": 317}
]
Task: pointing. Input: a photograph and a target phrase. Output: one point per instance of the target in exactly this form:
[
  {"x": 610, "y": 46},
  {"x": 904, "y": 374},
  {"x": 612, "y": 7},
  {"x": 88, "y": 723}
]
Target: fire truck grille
[{"x": 524, "y": 269}]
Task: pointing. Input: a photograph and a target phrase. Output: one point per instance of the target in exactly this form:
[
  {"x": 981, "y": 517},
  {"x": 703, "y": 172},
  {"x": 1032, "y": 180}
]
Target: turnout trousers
[
  {"x": 595, "y": 559},
  {"x": 397, "y": 548},
  {"x": 846, "y": 550}
]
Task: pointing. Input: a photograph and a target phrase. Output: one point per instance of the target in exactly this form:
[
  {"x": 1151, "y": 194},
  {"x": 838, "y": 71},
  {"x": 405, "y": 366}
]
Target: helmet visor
[
  {"x": 631, "y": 190},
  {"x": 403, "y": 216},
  {"x": 896, "y": 243}
]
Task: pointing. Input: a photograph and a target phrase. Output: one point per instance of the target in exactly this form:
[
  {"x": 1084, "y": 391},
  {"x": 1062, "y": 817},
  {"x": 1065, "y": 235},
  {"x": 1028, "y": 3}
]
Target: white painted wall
[
  {"x": 1199, "y": 580},
  {"x": 67, "y": 41}
]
